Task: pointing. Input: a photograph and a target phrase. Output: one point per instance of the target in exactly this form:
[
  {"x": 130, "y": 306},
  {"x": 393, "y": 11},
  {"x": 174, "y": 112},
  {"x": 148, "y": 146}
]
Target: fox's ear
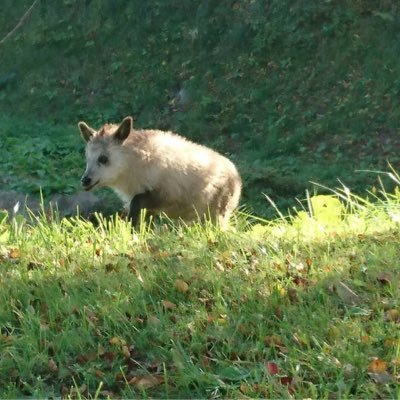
[
  {"x": 86, "y": 131},
  {"x": 124, "y": 129}
]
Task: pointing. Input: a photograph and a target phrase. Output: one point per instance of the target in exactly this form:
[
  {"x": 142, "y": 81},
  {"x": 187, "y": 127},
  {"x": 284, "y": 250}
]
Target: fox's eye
[{"x": 102, "y": 159}]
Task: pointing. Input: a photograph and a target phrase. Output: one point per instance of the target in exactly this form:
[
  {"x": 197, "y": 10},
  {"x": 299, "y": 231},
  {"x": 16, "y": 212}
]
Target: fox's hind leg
[{"x": 226, "y": 199}]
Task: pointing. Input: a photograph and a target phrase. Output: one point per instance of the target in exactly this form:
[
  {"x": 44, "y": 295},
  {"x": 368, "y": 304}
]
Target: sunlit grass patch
[{"x": 302, "y": 306}]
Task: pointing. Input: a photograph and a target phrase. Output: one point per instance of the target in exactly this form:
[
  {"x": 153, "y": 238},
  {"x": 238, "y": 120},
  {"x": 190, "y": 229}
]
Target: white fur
[{"x": 192, "y": 180}]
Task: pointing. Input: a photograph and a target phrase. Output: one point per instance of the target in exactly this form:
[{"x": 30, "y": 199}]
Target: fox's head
[{"x": 104, "y": 151}]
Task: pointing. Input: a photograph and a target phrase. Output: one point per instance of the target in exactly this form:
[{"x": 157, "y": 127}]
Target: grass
[
  {"x": 39, "y": 156},
  {"x": 300, "y": 307}
]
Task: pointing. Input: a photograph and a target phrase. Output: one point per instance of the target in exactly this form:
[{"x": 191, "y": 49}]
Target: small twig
[{"x": 20, "y": 22}]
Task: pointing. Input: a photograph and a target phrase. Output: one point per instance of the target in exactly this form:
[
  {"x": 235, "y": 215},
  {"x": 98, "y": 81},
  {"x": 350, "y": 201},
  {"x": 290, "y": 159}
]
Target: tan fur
[{"x": 191, "y": 180}]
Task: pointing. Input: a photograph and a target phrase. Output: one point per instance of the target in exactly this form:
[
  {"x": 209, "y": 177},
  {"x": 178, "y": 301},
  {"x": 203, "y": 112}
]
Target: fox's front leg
[{"x": 147, "y": 200}]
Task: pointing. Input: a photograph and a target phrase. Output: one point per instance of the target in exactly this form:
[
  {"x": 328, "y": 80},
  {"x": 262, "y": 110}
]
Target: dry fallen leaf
[
  {"x": 272, "y": 341},
  {"x": 109, "y": 356},
  {"x": 391, "y": 342},
  {"x": 142, "y": 382},
  {"x": 366, "y": 339},
  {"x": 286, "y": 380},
  {"x": 181, "y": 286},
  {"x": 242, "y": 328},
  {"x": 162, "y": 254},
  {"x": 301, "y": 282},
  {"x": 92, "y": 316},
  {"x": 168, "y": 305},
  {"x": 152, "y": 320},
  {"x": 125, "y": 351},
  {"x": 205, "y": 361},
  {"x": 98, "y": 373},
  {"x": 393, "y": 315},
  {"x": 117, "y": 341},
  {"x": 82, "y": 359},
  {"x": 52, "y": 365},
  {"x": 384, "y": 278},
  {"x": 272, "y": 368},
  {"x": 6, "y": 338},
  {"x": 377, "y": 366},
  {"x": 245, "y": 389},
  {"x": 14, "y": 254}
]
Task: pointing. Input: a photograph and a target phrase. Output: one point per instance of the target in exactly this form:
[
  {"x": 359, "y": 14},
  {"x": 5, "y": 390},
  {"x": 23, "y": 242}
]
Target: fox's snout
[{"x": 87, "y": 182}]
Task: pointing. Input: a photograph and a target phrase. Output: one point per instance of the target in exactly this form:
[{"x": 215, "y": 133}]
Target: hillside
[{"x": 293, "y": 91}]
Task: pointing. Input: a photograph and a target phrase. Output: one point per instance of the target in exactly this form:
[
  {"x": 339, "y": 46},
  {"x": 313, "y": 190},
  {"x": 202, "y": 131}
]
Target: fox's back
[{"x": 168, "y": 153}]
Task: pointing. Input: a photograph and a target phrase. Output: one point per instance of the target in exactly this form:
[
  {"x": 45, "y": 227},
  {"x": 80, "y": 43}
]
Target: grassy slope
[
  {"x": 194, "y": 312},
  {"x": 39, "y": 155},
  {"x": 293, "y": 92}
]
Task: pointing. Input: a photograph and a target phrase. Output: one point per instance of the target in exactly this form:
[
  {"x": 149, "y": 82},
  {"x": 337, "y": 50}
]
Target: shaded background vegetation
[{"x": 292, "y": 91}]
